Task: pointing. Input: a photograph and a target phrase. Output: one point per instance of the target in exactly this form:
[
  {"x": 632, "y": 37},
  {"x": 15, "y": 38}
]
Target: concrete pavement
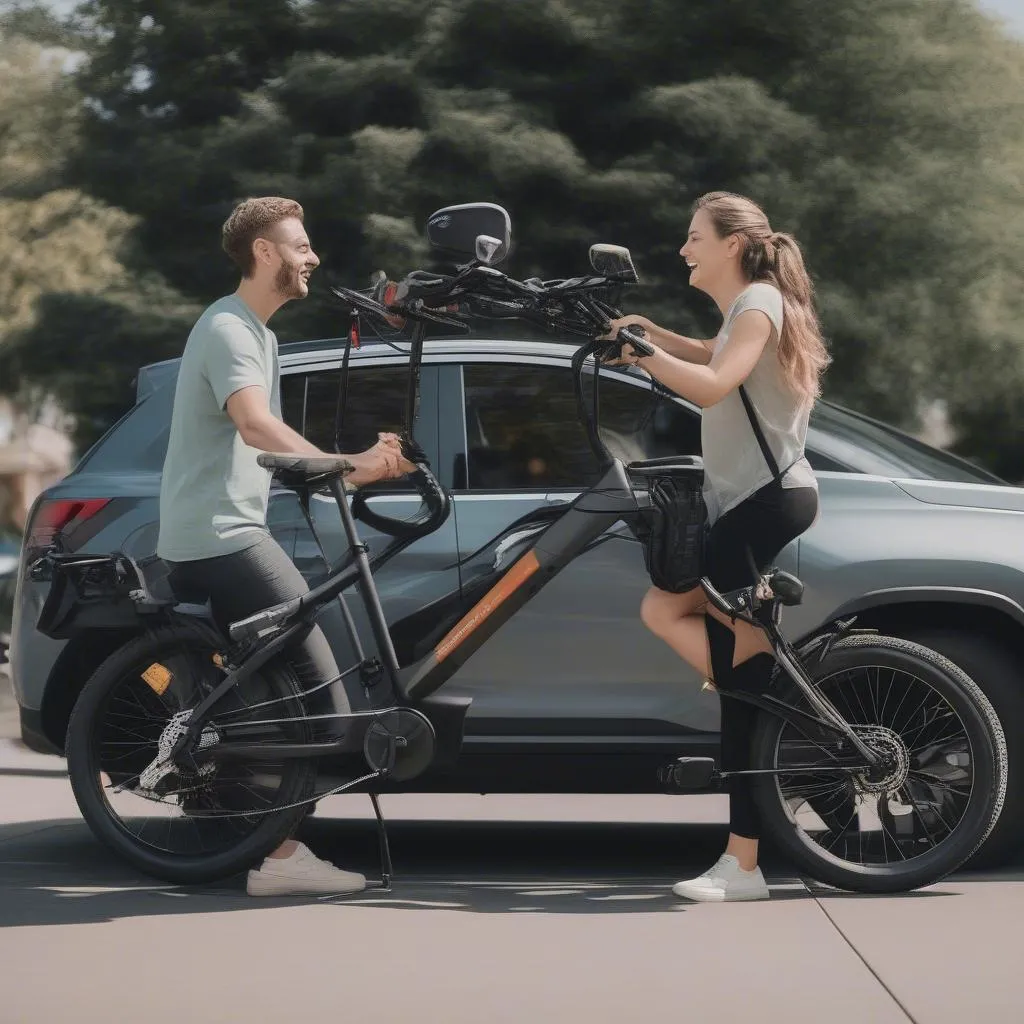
[{"x": 505, "y": 909}]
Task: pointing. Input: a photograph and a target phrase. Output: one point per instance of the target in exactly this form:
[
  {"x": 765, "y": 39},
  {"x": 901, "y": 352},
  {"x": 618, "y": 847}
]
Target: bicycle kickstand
[{"x": 386, "y": 868}]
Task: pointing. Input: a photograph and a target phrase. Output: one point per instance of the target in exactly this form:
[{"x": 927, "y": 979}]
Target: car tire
[{"x": 997, "y": 672}]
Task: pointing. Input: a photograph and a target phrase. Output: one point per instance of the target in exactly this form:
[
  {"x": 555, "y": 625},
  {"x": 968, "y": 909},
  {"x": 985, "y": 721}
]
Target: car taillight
[{"x": 61, "y": 516}]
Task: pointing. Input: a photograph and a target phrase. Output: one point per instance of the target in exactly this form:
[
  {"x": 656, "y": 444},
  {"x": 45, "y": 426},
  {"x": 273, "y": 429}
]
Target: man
[{"x": 214, "y": 494}]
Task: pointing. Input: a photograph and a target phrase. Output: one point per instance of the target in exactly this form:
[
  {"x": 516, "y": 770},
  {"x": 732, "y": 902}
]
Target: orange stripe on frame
[{"x": 507, "y": 585}]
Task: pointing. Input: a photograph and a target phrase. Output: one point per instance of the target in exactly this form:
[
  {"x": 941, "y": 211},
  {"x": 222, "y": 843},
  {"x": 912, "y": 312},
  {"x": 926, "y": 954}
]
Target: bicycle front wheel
[
  {"x": 187, "y": 826},
  {"x": 911, "y": 822}
]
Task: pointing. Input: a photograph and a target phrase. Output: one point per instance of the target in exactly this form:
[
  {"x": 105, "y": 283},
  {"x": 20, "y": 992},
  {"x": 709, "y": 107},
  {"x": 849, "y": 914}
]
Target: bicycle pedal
[{"x": 686, "y": 774}]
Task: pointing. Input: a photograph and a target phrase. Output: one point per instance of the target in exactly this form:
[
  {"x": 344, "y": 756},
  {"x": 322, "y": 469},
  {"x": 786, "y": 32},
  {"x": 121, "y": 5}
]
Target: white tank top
[{"x": 734, "y": 465}]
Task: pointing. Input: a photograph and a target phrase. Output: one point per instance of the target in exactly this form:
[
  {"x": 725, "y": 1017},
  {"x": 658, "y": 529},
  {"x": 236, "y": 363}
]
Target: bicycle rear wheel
[
  {"x": 191, "y": 826},
  {"x": 931, "y": 807}
]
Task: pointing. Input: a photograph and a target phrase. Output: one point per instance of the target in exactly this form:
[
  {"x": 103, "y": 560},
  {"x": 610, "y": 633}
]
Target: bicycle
[{"x": 879, "y": 765}]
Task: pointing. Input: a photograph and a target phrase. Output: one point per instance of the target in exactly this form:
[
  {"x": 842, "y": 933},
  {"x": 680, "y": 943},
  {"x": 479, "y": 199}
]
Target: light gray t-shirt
[
  {"x": 214, "y": 495},
  {"x": 734, "y": 465}
]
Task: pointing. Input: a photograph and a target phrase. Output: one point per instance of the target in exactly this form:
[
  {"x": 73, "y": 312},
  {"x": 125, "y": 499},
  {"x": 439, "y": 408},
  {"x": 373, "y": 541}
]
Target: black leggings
[
  {"x": 763, "y": 524},
  {"x": 245, "y": 582}
]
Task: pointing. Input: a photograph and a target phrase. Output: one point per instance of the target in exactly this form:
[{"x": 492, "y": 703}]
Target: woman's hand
[
  {"x": 629, "y": 320},
  {"x": 627, "y": 355}
]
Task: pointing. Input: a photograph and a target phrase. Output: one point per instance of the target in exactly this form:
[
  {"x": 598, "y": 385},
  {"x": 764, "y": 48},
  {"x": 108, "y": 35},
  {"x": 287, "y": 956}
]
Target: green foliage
[
  {"x": 115, "y": 332},
  {"x": 887, "y": 135},
  {"x": 74, "y": 323}
]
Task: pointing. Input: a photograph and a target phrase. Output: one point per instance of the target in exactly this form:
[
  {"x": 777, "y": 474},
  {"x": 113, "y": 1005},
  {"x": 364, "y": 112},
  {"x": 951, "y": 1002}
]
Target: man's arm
[{"x": 259, "y": 428}]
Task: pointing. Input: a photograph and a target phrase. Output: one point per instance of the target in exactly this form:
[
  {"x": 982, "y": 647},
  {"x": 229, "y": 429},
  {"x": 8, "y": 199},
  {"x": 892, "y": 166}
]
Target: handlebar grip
[
  {"x": 250, "y": 628},
  {"x": 636, "y": 336}
]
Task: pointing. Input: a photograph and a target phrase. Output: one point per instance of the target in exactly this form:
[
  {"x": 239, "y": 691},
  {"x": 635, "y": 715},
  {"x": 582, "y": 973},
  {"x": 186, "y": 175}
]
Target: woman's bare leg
[{"x": 678, "y": 619}]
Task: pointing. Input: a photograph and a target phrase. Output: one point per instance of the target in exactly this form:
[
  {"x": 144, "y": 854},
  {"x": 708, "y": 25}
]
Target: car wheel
[{"x": 998, "y": 673}]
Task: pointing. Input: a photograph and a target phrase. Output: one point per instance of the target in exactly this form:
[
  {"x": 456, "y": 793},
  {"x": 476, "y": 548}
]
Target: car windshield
[{"x": 856, "y": 442}]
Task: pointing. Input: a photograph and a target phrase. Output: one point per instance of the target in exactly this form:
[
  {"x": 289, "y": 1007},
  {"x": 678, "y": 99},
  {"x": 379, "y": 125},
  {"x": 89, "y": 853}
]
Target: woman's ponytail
[{"x": 802, "y": 351}]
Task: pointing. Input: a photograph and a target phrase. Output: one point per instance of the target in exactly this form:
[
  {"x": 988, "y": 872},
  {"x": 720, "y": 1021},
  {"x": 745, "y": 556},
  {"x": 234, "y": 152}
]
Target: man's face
[{"x": 296, "y": 259}]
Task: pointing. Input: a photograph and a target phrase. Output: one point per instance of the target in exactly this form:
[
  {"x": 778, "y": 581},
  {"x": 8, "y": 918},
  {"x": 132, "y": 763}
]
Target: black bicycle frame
[{"x": 542, "y": 552}]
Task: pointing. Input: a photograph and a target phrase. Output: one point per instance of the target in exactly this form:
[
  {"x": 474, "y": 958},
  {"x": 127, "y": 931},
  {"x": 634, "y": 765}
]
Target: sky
[{"x": 1012, "y": 11}]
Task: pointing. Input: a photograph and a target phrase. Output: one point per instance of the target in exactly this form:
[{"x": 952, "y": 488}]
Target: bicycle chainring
[{"x": 400, "y": 743}]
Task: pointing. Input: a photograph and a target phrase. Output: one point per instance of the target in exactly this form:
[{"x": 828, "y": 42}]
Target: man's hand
[{"x": 384, "y": 461}]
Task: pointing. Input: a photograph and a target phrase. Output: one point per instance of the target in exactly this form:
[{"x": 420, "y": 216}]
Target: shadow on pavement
[{"x": 55, "y": 872}]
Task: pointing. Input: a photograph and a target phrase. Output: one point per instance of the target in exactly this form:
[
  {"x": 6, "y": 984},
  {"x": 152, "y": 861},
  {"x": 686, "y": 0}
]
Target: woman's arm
[
  {"x": 690, "y": 350},
  {"x": 708, "y": 384}
]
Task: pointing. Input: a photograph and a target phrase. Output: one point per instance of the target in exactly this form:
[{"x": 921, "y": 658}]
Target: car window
[
  {"x": 523, "y": 431},
  {"x": 138, "y": 440},
  {"x": 867, "y": 446},
  {"x": 375, "y": 402}
]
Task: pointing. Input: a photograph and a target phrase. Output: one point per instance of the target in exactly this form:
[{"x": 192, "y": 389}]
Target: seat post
[{"x": 367, "y": 588}]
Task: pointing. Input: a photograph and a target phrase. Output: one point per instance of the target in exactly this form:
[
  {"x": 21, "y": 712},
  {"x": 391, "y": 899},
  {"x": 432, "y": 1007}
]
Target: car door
[
  {"x": 375, "y": 402},
  {"x": 576, "y": 659}
]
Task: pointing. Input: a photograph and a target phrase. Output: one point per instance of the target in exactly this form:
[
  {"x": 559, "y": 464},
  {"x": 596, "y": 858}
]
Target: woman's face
[{"x": 707, "y": 255}]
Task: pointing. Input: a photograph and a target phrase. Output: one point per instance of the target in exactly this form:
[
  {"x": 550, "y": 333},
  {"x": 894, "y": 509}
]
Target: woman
[{"x": 770, "y": 343}]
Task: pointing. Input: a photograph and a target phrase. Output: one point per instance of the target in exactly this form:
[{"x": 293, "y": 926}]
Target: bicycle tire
[
  {"x": 987, "y": 757},
  {"x": 85, "y": 735}
]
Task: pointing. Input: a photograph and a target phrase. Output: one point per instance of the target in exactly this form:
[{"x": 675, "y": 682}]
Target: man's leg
[{"x": 240, "y": 584}]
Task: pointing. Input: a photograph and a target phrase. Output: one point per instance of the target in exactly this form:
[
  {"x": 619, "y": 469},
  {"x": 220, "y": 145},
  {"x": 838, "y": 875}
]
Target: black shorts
[{"x": 762, "y": 524}]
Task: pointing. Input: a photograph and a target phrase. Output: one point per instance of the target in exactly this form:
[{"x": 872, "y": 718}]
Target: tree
[
  {"x": 886, "y": 134},
  {"x": 64, "y": 258}
]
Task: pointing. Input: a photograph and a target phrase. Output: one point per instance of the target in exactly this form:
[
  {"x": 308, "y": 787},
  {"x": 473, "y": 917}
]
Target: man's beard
[{"x": 285, "y": 283}]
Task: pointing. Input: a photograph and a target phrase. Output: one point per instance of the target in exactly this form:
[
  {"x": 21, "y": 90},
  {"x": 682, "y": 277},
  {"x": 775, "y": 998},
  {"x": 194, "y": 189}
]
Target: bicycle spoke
[
  {"x": 863, "y": 822},
  {"x": 197, "y": 812},
  {"x": 939, "y": 741},
  {"x": 934, "y": 780}
]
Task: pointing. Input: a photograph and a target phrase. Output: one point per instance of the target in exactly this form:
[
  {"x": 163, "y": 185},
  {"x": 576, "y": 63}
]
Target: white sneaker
[
  {"x": 724, "y": 882},
  {"x": 302, "y": 874}
]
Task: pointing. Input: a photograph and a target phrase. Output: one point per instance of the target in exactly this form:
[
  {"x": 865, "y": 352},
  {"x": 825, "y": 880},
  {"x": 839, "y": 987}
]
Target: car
[
  {"x": 10, "y": 551},
  {"x": 573, "y": 694}
]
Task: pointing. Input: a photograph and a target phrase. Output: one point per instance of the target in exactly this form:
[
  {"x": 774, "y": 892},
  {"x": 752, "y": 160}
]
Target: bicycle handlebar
[
  {"x": 431, "y": 493},
  {"x": 421, "y": 296}
]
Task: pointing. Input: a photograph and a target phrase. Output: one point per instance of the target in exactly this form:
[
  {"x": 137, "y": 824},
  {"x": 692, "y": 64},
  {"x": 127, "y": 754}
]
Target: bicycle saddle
[{"x": 305, "y": 465}]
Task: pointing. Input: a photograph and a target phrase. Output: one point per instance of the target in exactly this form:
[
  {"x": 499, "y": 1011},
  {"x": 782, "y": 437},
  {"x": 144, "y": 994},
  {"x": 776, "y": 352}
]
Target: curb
[{"x": 17, "y": 759}]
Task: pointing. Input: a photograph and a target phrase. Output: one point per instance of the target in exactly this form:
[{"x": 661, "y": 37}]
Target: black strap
[
  {"x": 342, "y": 405},
  {"x": 765, "y": 450}
]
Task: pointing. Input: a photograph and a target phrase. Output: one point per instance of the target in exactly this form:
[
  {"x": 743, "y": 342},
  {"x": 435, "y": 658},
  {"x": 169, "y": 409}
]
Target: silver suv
[{"x": 573, "y": 695}]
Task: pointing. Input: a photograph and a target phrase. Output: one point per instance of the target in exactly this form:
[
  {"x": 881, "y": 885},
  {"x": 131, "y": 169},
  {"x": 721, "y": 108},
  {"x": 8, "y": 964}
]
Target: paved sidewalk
[{"x": 523, "y": 910}]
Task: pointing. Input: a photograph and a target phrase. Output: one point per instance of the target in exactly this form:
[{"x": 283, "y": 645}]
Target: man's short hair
[{"x": 252, "y": 219}]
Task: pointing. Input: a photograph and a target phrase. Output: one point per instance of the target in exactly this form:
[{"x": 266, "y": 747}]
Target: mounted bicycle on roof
[{"x": 879, "y": 765}]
